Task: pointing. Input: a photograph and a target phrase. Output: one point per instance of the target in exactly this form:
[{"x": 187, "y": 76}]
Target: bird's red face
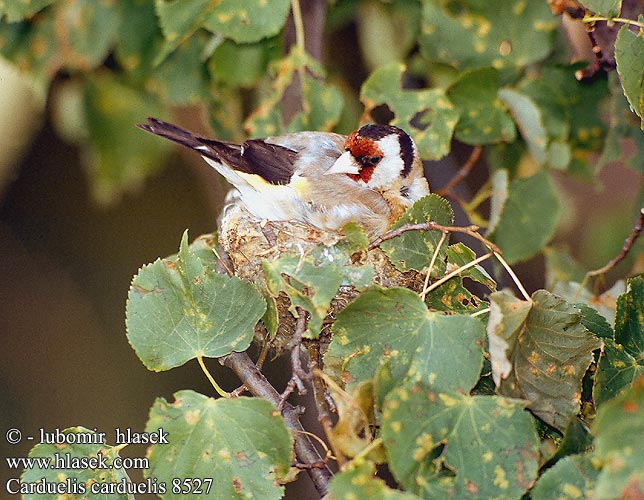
[
  {"x": 381, "y": 156},
  {"x": 367, "y": 154}
]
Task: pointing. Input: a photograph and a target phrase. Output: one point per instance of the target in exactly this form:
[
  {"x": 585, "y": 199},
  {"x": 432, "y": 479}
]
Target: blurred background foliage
[{"x": 87, "y": 198}]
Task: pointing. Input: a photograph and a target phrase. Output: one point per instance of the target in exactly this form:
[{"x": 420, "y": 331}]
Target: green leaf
[
  {"x": 459, "y": 255},
  {"x": 606, "y": 8},
  {"x": 224, "y": 63},
  {"x": 619, "y": 441},
  {"x": 427, "y": 114},
  {"x": 243, "y": 21},
  {"x": 242, "y": 443},
  {"x": 571, "y": 478},
  {"x": 387, "y": 32},
  {"x": 414, "y": 249},
  {"x": 629, "y": 56},
  {"x": 118, "y": 156},
  {"x": 622, "y": 361},
  {"x": 528, "y": 118},
  {"x": 78, "y": 481},
  {"x": 178, "y": 310},
  {"x": 394, "y": 325},
  {"x": 452, "y": 296},
  {"x": 594, "y": 321},
  {"x": 313, "y": 280},
  {"x": 540, "y": 351},
  {"x": 181, "y": 78},
  {"x": 360, "y": 482},
  {"x": 629, "y": 318},
  {"x": 44, "y": 46},
  {"x": 624, "y": 128},
  {"x": 561, "y": 267},
  {"x": 617, "y": 370},
  {"x": 483, "y": 117},
  {"x": 470, "y": 34},
  {"x": 17, "y": 10},
  {"x": 528, "y": 217},
  {"x": 139, "y": 36},
  {"x": 443, "y": 445},
  {"x": 321, "y": 103}
]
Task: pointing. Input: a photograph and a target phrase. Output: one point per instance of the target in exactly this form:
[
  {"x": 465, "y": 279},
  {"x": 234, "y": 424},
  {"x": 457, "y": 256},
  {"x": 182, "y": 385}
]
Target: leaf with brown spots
[
  {"x": 393, "y": 325},
  {"x": 540, "y": 351},
  {"x": 449, "y": 446},
  {"x": 242, "y": 443},
  {"x": 619, "y": 445}
]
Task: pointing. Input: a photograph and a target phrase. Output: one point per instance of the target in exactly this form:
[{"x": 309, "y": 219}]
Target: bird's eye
[{"x": 369, "y": 161}]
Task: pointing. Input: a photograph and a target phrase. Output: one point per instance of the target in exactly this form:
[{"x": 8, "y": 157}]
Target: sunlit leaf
[
  {"x": 180, "y": 309},
  {"x": 444, "y": 446},
  {"x": 242, "y": 444},
  {"x": 540, "y": 351},
  {"x": 427, "y": 114}
]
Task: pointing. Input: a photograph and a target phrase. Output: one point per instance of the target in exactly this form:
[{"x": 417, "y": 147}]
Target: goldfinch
[{"x": 321, "y": 179}]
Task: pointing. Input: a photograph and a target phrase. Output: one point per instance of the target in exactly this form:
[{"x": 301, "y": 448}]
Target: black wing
[{"x": 272, "y": 162}]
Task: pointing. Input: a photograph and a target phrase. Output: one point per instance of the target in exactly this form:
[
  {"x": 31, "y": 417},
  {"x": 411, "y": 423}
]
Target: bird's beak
[{"x": 345, "y": 164}]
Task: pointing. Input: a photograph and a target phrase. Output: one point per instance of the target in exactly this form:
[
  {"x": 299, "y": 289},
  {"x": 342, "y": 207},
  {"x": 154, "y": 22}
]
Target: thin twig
[
  {"x": 455, "y": 272},
  {"x": 514, "y": 277},
  {"x": 593, "y": 19},
  {"x": 433, "y": 226},
  {"x": 628, "y": 244},
  {"x": 431, "y": 264},
  {"x": 249, "y": 374},
  {"x": 463, "y": 172}
]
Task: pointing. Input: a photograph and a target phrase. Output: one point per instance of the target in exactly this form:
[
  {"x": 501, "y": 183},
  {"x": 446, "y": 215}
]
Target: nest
[{"x": 249, "y": 241}]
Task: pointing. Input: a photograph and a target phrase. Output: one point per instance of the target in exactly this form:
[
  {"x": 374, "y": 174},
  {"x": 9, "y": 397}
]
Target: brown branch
[
  {"x": 463, "y": 172},
  {"x": 628, "y": 244},
  {"x": 325, "y": 407},
  {"x": 433, "y": 226},
  {"x": 298, "y": 375},
  {"x": 254, "y": 380}
]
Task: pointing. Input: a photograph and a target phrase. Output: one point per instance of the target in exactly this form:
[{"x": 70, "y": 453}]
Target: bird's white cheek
[{"x": 345, "y": 164}]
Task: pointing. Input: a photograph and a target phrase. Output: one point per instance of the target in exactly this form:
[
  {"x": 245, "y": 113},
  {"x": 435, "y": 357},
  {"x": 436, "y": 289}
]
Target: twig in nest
[
  {"x": 463, "y": 172},
  {"x": 628, "y": 244}
]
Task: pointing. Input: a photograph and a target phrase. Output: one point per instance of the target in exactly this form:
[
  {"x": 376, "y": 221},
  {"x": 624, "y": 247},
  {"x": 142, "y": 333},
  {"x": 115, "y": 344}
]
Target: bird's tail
[{"x": 172, "y": 132}]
